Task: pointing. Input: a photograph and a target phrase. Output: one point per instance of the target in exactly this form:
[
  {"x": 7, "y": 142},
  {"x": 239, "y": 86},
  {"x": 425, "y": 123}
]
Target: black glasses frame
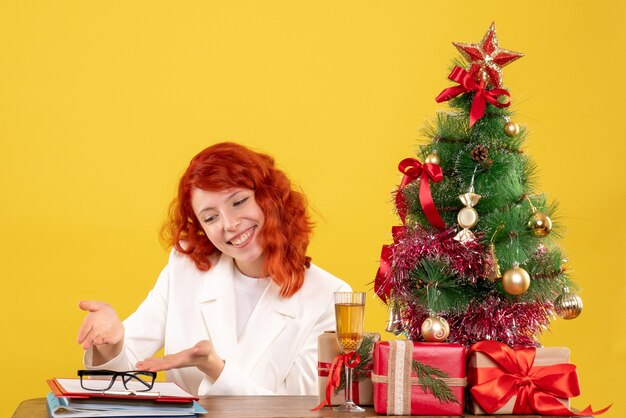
[{"x": 127, "y": 376}]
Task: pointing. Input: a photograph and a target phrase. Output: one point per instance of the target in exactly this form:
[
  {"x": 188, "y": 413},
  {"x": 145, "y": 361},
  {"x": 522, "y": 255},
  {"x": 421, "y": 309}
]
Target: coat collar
[{"x": 268, "y": 319}]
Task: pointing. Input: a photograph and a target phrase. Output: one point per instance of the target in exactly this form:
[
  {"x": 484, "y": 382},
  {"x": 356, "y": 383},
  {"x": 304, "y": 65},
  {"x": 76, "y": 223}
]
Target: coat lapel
[
  {"x": 269, "y": 318},
  {"x": 217, "y": 303}
]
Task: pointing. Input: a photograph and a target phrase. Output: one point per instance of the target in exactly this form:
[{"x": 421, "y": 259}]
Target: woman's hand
[
  {"x": 202, "y": 355},
  {"x": 102, "y": 330}
]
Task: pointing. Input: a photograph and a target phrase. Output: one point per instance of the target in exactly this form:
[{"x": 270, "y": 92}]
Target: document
[
  {"x": 161, "y": 391},
  {"x": 59, "y": 407}
]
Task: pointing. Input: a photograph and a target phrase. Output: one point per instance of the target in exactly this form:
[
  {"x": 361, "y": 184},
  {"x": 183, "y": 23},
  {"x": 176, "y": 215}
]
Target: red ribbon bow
[
  {"x": 382, "y": 284},
  {"x": 412, "y": 169},
  {"x": 468, "y": 83},
  {"x": 537, "y": 388},
  {"x": 349, "y": 360}
]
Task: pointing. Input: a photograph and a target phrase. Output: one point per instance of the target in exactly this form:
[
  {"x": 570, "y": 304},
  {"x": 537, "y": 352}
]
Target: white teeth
[{"x": 242, "y": 238}]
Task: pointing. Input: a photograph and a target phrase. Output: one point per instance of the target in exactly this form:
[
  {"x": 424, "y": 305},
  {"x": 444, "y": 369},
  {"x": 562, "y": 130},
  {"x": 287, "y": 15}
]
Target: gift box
[
  {"x": 418, "y": 378},
  {"x": 523, "y": 381},
  {"x": 328, "y": 350}
]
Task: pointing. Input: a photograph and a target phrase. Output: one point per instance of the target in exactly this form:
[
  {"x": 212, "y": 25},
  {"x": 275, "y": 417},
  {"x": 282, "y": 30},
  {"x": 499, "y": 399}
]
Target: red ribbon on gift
[
  {"x": 537, "y": 388},
  {"x": 382, "y": 284},
  {"x": 349, "y": 360},
  {"x": 467, "y": 83},
  {"x": 323, "y": 370},
  {"x": 412, "y": 169}
]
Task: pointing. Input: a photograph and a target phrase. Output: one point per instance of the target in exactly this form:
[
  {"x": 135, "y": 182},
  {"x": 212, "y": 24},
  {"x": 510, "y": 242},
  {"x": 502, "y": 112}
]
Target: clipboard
[{"x": 161, "y": 392}]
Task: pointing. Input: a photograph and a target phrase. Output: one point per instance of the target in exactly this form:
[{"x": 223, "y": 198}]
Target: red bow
[
  {"x": 323, "y": 370},
  {"x": 467, "y": 83},
  {"x": 537, "y": 388},
  {"x": 412, "y": 169},
  {"x": 382, "y": 284},
  {"x": 349, "y": 360}
]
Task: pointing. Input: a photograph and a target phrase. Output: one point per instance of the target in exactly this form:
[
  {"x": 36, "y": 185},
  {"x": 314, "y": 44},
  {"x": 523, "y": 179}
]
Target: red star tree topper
[{"x": 486, "y": 58}]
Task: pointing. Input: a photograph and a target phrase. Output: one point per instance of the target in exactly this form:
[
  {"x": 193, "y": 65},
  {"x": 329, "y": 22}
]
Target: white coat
[{"x": 276, "y": 352}]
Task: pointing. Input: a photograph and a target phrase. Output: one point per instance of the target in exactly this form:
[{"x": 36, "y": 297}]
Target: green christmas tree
[{"x": 476, "y": 256}]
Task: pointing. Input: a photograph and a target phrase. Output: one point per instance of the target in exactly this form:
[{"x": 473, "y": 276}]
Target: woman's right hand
[{"x": 102, "y": 330}]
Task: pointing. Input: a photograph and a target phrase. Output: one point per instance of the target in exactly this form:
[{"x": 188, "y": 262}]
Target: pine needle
[{"x": 430, "y": 380}]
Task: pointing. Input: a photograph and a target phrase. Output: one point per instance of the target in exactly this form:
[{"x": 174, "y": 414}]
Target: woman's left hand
[{"x": 202, "y": 355}]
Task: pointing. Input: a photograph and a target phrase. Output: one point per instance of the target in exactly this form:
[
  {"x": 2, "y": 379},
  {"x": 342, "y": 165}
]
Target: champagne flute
[{"x": 349, "y": 313}]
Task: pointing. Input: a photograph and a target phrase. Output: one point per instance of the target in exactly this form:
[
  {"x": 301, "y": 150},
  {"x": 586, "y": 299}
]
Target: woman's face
[{"x": 232, "y": 219}]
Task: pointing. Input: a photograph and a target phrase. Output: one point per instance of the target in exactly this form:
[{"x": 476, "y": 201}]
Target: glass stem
[{"x": 348, "y": 384}]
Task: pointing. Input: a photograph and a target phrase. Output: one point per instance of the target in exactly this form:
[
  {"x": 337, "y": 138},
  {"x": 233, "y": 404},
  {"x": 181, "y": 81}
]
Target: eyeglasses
[{"x": 100, "y": 380}]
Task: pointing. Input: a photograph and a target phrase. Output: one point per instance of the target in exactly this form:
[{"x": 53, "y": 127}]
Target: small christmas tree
[{"x": 476, "y": 257}]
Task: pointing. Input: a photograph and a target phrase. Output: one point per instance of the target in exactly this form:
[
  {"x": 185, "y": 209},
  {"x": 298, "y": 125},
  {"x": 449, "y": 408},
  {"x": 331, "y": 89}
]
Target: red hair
[{"x": 286, "y": 232}]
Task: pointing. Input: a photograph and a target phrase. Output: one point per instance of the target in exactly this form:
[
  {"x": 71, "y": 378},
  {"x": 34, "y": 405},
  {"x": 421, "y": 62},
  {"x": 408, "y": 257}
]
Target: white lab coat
[{"x": 276, "y": 352}]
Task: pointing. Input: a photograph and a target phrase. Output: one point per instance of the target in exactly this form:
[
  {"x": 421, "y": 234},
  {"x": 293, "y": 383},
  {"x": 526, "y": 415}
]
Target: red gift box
[
  {"x": 398, "y": 391},
  {"x": 503, "y": 380}
]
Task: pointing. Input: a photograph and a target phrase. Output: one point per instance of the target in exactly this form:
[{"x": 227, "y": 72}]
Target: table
[{"x": 247, "y": 407}]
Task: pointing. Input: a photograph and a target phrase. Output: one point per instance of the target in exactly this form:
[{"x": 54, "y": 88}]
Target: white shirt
[{"x": 248, "y": 292}]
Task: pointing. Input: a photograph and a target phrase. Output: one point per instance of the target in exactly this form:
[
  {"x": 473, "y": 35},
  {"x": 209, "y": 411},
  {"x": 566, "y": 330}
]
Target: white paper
[
  {"x": 91, "y": 408},
  {"x": 159, "y": 388}
]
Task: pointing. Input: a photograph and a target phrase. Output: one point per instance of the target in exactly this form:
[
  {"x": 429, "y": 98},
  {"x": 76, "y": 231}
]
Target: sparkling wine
[
  {"x": 349, "y": 313},
  {"x": 349, "y": 318}
]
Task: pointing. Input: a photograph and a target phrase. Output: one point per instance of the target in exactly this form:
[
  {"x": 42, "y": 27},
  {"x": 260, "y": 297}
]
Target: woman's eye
[
  {"x": 210, "y": 219},
  {"x": 240, "y": 202}
]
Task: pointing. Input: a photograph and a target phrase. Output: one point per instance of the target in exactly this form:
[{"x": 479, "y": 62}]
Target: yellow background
[{"x": 102, "y": 104}]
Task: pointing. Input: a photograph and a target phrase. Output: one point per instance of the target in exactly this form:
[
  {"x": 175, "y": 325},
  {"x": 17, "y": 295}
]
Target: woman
[{"x": 239, "y": 306}]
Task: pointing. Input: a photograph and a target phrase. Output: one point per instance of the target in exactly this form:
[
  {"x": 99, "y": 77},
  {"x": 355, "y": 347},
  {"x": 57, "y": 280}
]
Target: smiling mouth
[{"x": 242, "y": 239}]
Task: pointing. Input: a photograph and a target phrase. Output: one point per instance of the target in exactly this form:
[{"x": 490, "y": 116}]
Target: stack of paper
[{"x": 165, "y": 399}]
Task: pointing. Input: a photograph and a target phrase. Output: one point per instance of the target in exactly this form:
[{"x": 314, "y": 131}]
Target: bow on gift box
[
  {"x": 350, "y": 360},
  {"x": 467, "y": 83},
  {"x": 537, "y": 388},
  {"x": 324, "y": 370}
]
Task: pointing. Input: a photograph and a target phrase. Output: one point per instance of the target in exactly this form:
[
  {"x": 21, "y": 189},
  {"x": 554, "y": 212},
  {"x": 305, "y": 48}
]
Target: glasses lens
[
  {"x": 138, "y": 381},
  {"x": 97, "y": 381}
]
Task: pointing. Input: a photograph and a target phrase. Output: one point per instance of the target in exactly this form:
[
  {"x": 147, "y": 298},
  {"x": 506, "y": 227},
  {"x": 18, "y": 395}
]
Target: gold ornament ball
[
  {"x": 515, "y": 281},
  {"x": 435, "y": 329},
  {"x": 540, "y": 224},
  {"x": 432, "y": 158},
  {"x": 511, "y": 129},
  {"x": 568, "y": 305}
]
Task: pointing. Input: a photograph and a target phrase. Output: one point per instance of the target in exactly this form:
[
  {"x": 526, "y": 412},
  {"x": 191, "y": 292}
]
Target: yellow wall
[{"x": 102, "y": 104}]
